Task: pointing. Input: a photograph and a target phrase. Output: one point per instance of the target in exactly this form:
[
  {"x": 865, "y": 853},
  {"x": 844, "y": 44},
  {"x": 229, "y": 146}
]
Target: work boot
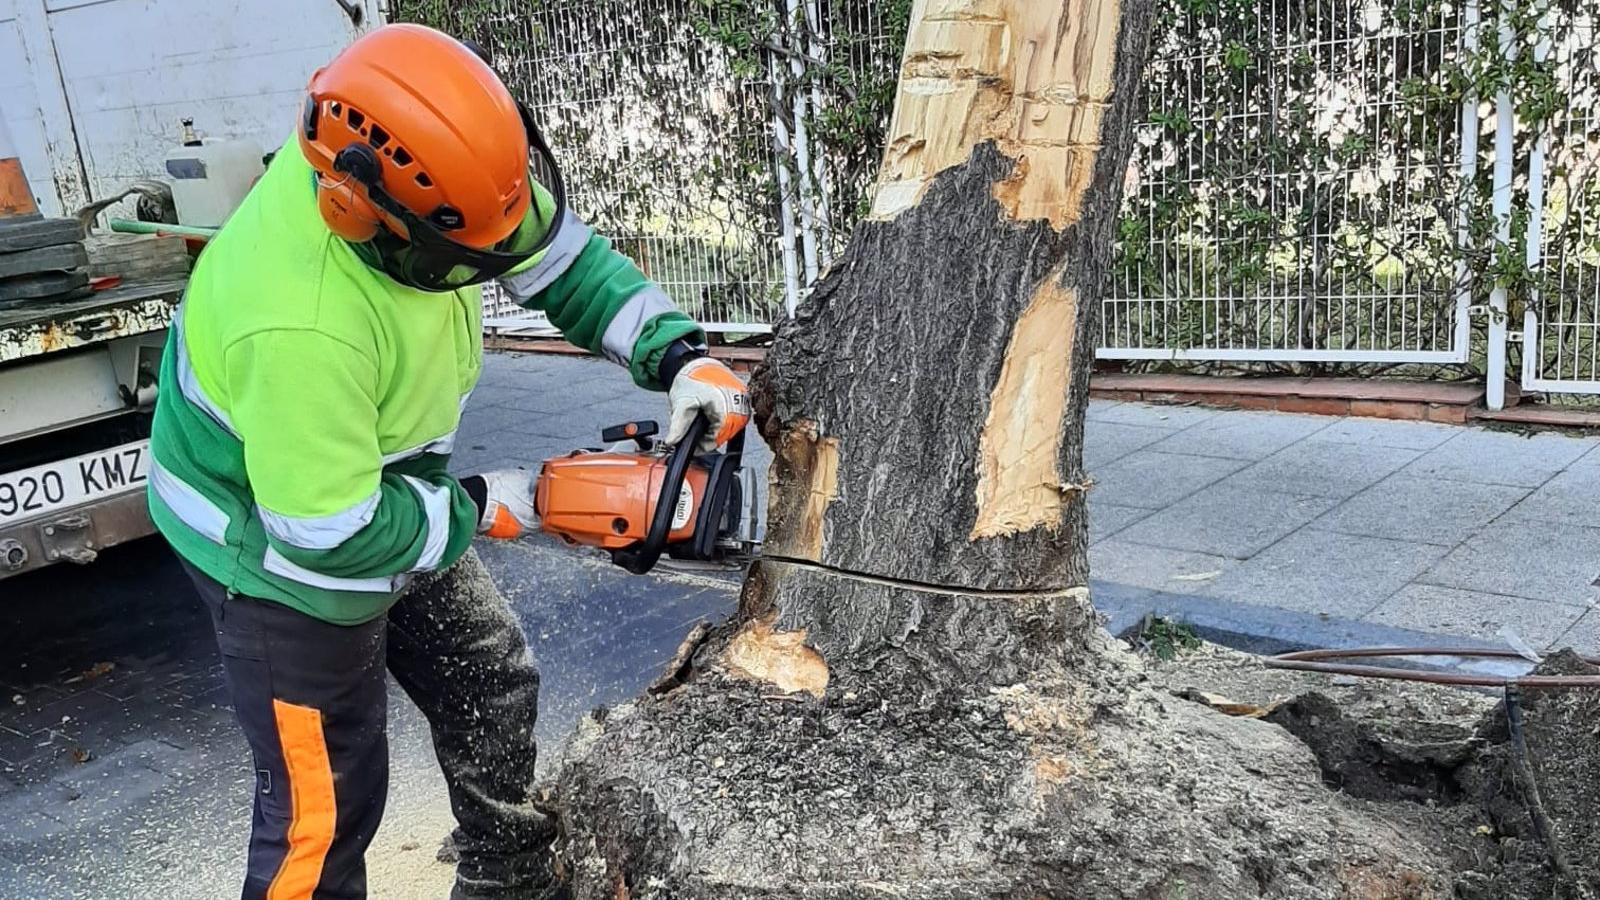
[
  {"x": 486, "y": 876},
  {"x": 466, "y": 889}
]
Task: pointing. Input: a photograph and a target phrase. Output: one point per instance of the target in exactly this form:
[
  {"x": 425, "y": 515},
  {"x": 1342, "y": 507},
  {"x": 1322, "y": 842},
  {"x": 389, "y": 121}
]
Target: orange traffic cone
[{"x": 16, "y": 198}]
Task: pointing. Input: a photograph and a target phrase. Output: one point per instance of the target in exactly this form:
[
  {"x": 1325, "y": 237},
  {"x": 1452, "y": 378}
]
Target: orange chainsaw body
[
  {"x": 647, "y": 501},
  {"x": 606, "y": 498}
]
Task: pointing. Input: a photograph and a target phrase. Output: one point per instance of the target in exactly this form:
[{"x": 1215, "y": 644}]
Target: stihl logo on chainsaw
[{"x": 685, "y": 507}]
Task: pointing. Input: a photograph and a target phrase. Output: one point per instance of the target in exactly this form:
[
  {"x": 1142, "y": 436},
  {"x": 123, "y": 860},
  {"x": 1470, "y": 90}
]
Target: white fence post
[
  {"x": 780, "y": 154},
  {"x": 1504, "y": 136},
  {"x": 1532, "y": 347},
  {"x": 1470, "y": 125},
  {"x": 802, "y": 148},
  {"x": 819, "y": 56}
]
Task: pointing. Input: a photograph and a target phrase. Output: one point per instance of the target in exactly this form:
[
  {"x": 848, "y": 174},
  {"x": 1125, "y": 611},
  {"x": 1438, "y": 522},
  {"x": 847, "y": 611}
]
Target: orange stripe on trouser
[{"x": 313, "y": 810}]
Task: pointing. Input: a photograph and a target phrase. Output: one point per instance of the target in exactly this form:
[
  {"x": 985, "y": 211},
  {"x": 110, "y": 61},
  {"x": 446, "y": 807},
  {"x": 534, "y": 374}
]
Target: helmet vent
[
  {"x": 401, "y": 157},
  {"x": 377, "y": 137},
  {"x": 336, "y": 108},
  {"x": 423, "y": 180},
  {"x": 355, "y": 119}
]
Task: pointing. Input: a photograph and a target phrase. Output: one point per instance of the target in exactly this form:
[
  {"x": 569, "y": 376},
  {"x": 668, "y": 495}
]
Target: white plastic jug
[{"x": 211, "y": 178}]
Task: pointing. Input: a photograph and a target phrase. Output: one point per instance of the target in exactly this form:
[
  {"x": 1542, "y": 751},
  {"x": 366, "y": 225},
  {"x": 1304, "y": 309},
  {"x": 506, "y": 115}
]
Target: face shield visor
[{"x": 427, "y": 258}]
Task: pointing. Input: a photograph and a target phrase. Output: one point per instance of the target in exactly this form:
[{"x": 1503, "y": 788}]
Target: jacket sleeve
[
  {"x": 303, "y": 405},
  {"x": 599, "y": 298}
]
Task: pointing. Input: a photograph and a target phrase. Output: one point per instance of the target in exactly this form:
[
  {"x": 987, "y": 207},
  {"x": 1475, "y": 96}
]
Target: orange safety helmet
[{"x": 418, "y": 145}]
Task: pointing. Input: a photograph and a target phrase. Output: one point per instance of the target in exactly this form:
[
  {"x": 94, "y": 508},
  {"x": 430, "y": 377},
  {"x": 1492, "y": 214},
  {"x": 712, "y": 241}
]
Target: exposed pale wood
[
  {"x": 1035, "y": 78},
  {"x": 779, "y": 658},
  {"x": 1020, "y": 487},
  {"x": 809, "y": 467}
]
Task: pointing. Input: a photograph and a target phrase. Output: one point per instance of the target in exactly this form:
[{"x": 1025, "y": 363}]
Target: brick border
[{"x": 1422, "y": 401}]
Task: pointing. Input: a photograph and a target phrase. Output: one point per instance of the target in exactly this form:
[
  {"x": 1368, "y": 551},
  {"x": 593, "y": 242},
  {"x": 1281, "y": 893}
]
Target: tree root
[{"x": 1065, "y": 786}]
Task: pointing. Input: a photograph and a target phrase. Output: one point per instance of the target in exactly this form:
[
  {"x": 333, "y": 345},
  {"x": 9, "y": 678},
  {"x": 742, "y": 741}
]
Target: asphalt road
[{"x": 121, "y": 770}]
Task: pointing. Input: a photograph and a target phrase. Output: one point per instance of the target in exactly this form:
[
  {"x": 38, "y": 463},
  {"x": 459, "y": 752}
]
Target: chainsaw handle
[{"x": 642, "y": 557}]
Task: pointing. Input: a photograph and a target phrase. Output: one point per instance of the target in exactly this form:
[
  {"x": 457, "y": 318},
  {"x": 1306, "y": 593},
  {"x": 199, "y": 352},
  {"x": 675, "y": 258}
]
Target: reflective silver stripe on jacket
[
  {"x": 188, "y": 382},
  {"x": 436, "y": 501},
  {"x": 630, "y": 321},
  {"x": 443, "y": 445},
  {"x": 558, "y": 258},
  {"x": 320, "y": 532},
  {"x": 275, "y": 563},
  {"x": 189, "y": 505}
]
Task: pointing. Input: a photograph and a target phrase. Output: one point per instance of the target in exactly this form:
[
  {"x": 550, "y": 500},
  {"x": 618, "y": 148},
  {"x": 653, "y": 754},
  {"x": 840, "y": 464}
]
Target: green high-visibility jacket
[{"x": 309, "y": 403}]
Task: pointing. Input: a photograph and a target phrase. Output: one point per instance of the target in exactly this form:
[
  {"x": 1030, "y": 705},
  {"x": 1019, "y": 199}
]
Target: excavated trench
[
  {"x": 1449, "y": 754},
  {"x": 1422, "y": 769}
]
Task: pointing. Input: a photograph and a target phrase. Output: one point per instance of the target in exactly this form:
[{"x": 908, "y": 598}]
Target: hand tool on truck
[{"x": 645, "y": 501}]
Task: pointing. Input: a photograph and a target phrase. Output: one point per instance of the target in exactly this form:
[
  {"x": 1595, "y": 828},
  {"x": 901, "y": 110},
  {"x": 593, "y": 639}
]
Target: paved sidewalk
[{"x": 1332, "y": 524}]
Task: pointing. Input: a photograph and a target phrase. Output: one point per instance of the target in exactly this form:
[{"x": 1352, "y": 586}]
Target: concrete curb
[{"x": 1268, "y": 630}]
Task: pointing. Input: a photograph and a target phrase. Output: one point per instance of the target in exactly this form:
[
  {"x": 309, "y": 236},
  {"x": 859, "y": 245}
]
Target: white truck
[
  {"x": 76, "y": 382},
  {"x": 92, "y": 93}
]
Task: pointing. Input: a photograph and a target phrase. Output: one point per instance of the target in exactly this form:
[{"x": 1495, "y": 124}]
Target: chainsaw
[{"x": 641, "y": 500}]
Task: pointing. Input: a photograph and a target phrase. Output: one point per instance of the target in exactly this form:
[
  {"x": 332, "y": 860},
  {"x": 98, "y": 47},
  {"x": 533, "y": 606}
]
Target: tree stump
[{"x": 915, "y": 698}]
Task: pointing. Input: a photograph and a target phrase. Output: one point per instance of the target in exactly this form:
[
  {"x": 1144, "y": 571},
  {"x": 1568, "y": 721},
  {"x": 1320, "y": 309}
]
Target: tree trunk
[
  {"x": 915, "y": 698},
  {"x": 926, "y": 405}
]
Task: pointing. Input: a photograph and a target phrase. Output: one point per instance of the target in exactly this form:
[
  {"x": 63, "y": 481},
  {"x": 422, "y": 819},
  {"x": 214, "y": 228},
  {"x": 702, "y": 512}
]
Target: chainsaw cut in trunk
[{"x": 915, "y": 698}]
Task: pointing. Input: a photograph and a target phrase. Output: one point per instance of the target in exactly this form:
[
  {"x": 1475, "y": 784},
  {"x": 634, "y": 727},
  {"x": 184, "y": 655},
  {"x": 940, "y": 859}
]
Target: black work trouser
[{"x": 312, "y": 701}]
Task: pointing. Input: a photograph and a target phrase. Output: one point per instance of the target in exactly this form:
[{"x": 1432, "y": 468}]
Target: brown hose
[{"x": 1325, "y": 661}]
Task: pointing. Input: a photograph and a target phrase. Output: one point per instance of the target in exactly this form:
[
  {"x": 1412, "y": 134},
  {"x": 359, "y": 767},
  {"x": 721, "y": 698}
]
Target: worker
[{"x": 311, "y": 391}]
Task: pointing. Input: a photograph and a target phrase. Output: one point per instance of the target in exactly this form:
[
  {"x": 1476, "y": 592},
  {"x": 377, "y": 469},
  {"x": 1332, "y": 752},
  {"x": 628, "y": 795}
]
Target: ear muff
[
  {"x": 346, "y": 209},
  {"x": 346, "y": 213}
]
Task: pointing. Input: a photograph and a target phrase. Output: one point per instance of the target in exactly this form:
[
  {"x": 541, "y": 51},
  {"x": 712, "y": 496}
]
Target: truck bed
[{"x": 122, "y": 311}]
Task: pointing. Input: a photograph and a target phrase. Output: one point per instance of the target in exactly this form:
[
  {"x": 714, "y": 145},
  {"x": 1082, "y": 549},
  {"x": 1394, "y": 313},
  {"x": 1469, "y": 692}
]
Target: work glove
[
  {"x": 508, "y": 509},
  {"x": 707, "y": 386}
]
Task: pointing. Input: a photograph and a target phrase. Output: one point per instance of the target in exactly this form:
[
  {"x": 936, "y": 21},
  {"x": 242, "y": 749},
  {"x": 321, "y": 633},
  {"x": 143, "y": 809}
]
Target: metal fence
[
  {"x": 1279, "y": 153},
  {"x": 1561, "y": 325},
  {"x": 1313, "y": 180},
  {"x": 1293, "y": 186}
]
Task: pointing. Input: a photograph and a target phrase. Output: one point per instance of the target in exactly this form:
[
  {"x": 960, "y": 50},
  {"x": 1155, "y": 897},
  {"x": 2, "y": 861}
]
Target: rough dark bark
[
  {"x": 915, "y": 699},
  {"x": 894, "y": 359}
]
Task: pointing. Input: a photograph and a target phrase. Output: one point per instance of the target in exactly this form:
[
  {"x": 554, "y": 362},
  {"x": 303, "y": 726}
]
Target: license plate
[{"x": 33, "y": 492}]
